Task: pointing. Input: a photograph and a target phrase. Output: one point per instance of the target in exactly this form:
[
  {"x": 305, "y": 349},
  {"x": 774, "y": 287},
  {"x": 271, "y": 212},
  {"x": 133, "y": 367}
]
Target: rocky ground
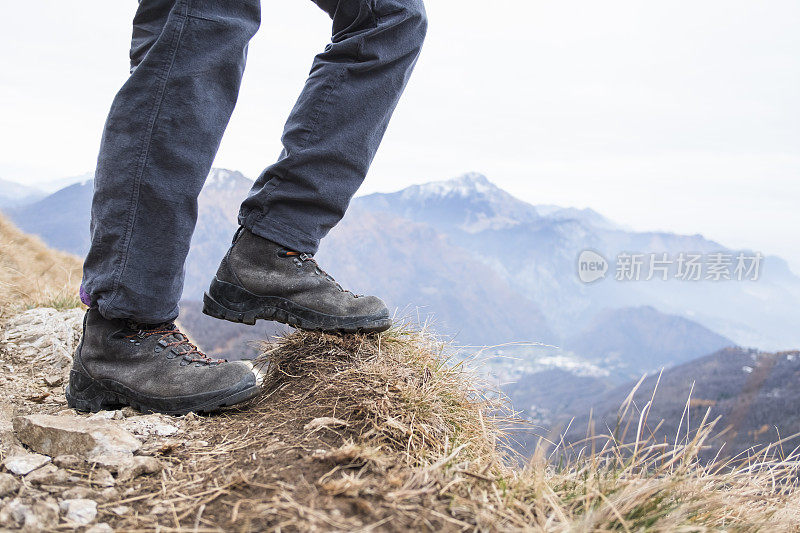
[{"x": 64, "y": 469}]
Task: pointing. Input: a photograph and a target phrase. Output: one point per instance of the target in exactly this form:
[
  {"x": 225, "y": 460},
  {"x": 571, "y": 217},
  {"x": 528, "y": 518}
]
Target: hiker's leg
[
  {"x": 160, "y": 138},
  {"x": 337, "y": 123}
]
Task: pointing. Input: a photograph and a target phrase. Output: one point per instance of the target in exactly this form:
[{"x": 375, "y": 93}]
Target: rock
[
  {"x": 64, "y": 435},
  {"x": 108, "y": 494},
  {"x": 78, "y": 493},
  {"x": 47, "y": 475},
  {"x": 107, "y": 415},
  {"x": 8, "y": 484},
  {"x": 68, "y": 461},
  {"x": 80, "y": 511},
  {"x": 9, "y": 445},
  {"x": 25, "y": 464},
  {"x": 120, "y": 510},
  {"x": 139, "y": 467},
  {"x": 43, "y": 516},
  {"x": 102, "y": 527},
  {"x": 44, "y": 335},
  {"x": 113, "y": 462},
  {"x": 14, "y": 513},
  {"x": 147, "y": 425},
  {"x": 103, "y": 478},
  {"x": 53, "y": 380}
]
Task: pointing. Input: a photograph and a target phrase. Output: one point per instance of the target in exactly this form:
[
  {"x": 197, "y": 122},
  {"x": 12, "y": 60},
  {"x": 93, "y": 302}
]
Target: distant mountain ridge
[
  {"x": 13, "y": 194},
  {"x": 516, "y": 262}
]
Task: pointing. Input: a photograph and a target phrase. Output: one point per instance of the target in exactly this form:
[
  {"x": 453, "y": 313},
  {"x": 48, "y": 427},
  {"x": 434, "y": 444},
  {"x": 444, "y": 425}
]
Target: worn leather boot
[
  {"x": 261, "y": 279},
  {"x": 152, "y": 368}
]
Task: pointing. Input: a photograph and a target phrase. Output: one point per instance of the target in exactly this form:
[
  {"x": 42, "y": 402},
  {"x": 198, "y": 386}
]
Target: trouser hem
[{"x": 278, "y": 232}]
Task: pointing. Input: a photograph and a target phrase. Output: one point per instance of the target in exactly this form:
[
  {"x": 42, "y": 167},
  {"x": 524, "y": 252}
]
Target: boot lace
[
  {"x": 302, "y": 257},
  {"x": 175, "y": 342}
]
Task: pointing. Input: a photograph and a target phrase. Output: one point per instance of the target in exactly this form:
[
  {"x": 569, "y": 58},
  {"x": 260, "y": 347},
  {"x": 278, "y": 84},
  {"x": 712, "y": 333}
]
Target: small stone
[
  {"x": 80, "y": 512},
  {"x": 78, "y": 493},
  {"x": 14, "y": 513},
  {"x": 102, "y": 415},
  {"x": 47, "y": 475},
  {"x": 158, "y": 509},
  {"x": 139, "y": 467},
  {"x": 42, "y": 517},
  {"x": 62, "y": 435},
  {"x": 53, "y": 380},
  {"x": 147, "y": 425},
  {"x": 103, "y": 478},
  {"x": 70, "y": 462},
  {"x": 8, "y": 484},
  {"x": 113, "y": 462},
  {"x": 108, "y": 494},
  {"x": 102, "y": 527},
  {"x": 120, "y": 510},
  {"x": 25, "y": 464}
]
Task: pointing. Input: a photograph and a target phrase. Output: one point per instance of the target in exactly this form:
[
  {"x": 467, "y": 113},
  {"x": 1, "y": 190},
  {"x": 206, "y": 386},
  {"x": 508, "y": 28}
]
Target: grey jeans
[{"x": 165, "y": 125}]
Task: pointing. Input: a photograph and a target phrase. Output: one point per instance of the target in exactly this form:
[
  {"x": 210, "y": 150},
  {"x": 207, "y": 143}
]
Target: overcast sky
[{"x": 677, "y": 115}]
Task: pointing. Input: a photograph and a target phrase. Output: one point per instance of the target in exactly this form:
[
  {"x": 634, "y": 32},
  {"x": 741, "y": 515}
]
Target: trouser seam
[{"x": 146, "y": 142}]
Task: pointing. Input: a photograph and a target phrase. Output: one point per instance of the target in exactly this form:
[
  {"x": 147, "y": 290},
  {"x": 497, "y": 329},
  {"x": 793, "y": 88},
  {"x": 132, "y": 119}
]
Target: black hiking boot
[
  {"x": 261, "y": 279},
  {"x": 152, "y": 368}
]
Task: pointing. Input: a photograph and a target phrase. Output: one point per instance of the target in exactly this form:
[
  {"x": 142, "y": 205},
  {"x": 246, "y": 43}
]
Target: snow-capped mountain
[
  {"x": 222, "y": 179},
  {"x": 469, "y": 203}
]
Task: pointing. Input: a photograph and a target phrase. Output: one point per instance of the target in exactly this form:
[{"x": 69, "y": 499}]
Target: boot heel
[
  {"x": 212, "y": 307},
  {"x": 85, "y": 394}
]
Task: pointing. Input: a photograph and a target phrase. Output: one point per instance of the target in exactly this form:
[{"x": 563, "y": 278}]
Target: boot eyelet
[
  {"x": 158, "y": 349},
  {"x": 184, "y": 363},
  {"x": 170, "y": 355}
]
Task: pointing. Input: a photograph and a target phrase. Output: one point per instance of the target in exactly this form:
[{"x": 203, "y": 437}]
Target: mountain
[
  {"x": 57, "y": 184},
  {"x": 416, "y": 269},
  {"x": 469, "y": 203},
  {"x": 642, "y": 339},
  {"x": 60, "y": 219},
  {"x": 485, "y": 264},
  {"x": 754, "y": 393},
  {"x": 13, "y": 194},
  {"x": 537, "y": 253}
]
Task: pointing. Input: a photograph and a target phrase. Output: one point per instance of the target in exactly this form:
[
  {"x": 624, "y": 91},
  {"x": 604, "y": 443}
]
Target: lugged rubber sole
[
  {"x": 87, "y": 394},
  {"x": 235, "y": 304}
]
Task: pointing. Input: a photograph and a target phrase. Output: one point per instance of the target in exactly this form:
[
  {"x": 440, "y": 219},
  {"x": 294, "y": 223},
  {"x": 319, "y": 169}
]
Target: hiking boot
[
  {"x": 261, "y": 279},
  {"x": 152, "y": 368}
]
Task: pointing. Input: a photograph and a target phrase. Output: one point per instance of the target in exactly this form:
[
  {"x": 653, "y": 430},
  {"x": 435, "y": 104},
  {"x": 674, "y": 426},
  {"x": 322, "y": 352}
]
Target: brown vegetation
[
  {"x": 33, "y": 275},
  {"x": 380, "y": 432}
]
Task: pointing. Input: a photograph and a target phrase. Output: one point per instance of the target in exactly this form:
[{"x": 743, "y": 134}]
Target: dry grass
[
  {"x": 381, "y": 433},
  {"x": 33, "y": 275}
]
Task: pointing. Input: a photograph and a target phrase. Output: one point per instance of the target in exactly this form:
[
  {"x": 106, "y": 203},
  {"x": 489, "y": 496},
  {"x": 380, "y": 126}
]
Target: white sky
[{"x": 680, "y": 115}]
